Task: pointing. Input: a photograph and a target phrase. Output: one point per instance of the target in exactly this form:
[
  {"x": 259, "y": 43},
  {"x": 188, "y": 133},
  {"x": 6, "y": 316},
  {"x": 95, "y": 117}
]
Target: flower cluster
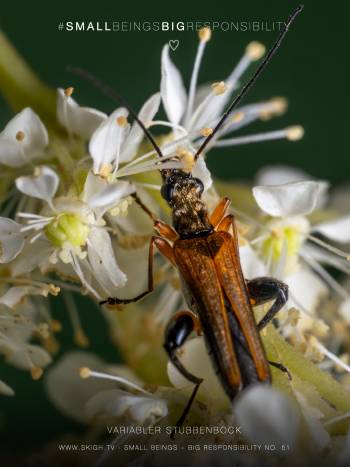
[{"x": 71, "y": 223}]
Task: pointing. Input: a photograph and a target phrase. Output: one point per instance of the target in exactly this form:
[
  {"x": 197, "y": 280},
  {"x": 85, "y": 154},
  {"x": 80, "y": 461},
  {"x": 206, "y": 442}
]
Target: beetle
[{"x": 204, "y": 249}]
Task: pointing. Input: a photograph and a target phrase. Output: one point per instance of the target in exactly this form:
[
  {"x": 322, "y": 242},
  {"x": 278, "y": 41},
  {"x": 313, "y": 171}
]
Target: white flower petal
[
  {"x": 266, "y": 416},
  {"x": 133, "y": 262},
  {"x": 14, "y": 295},
  {"x": 106, "y": 141},
  {"x": 289, "y": 199},
  {"x": 11, "y": 239},
  {"x": 172, "y": 89},
  {"x": 306, "y": 290},
  {"x": 344, "y": 310},
  {"x": 103, "y": 262},
  {"x": 15, "y": 151},
  {"x": 115, "y": 402},
  {"x": 136, "y": 135},
  {"x": 252, "y": 266},
  {"x": 43, "y": 184},
  {"x": 5, "y": 389},
  {"x": 81, "y": 121},
  {"x": 33, "y": 255},
  {"x": 99, "y": 193},
  {"x": 279, "y": 174},
  {"x": 313, "y": 417},
  {"x": 200, "y": 170},
  {"x": 337, "y": 230},
  {"x": 23, "y": 357},
  {"x": 67, "y": 390}
]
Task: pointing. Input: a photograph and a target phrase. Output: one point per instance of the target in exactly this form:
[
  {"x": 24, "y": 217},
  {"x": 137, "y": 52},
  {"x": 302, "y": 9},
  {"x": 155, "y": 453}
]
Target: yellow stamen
[
  {"x": 237, "y": 117},
  {"x": 55, "y": 325},
  {"x": 81, "y": 339},
  {"x": 122, "y": 121},
  {"x": 187, "y": 158},
  {"x": 255, "y": 50},
  {"x": 20, "y": 136},
  {"x": 204, "y": 34},
  {"x": 43, "y": 330},
  {"x": 36, "y": 372},
  {"x": 84, "y": 372},
  {"x": 69, "y": 91},
  {"x": 219, "y": 88},
  {"x": 105, "y": 170},
  {"x": 206, "y": 131},
  {"x": 51, "y": 345},
  {"x": 294, "y": 133}
]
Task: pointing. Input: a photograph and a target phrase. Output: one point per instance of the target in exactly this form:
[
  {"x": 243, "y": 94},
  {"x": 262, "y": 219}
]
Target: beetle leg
[
  {"x": 176, "y": 333},
  {"x": 166, "y": 250},
  {"x": 264, "y": 289},
  {"x": 165, "y": 230},
  {"x": 281, "y": 367},
  {"x": 226, "y": 223},
  {"x": 219, "y": 212}
]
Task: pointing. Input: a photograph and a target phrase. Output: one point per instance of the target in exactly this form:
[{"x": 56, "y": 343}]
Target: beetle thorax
[{"x": 190, "y": 215}]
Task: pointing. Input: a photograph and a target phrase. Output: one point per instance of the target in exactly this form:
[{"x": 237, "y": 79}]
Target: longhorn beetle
[{"x": 206, "y": 256}]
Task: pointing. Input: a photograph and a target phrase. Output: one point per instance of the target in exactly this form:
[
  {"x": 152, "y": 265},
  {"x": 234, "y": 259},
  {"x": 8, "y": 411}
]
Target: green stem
[{"x": 21, "y": 87}]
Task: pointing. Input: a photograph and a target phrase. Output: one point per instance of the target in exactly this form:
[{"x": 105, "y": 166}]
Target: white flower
[
  {"x": 71, "y": 230},
  {"x": 83, "y": 387},
  {"x": 77, "y": 120},
  {"x": 116, "y": 142},
  {"x": 266, "y": 416},
  {"x": 16, "y": 331},
  {"x": 11, "y": 239},
  {"x": 288, "y": 244},
  {"x": 193, "y": 116},
  {"x": 23, "y": 139}
]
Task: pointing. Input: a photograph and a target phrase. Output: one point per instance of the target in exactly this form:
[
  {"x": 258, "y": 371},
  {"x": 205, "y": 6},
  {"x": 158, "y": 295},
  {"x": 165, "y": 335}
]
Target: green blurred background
[{"x": 312, "y": 70}]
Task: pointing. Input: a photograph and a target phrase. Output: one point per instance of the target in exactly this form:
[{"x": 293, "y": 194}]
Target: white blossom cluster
[{"x": 69, "y": 223}]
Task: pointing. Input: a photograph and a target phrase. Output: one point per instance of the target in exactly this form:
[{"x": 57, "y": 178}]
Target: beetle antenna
[
  {"x": 252, "y": 80},
  {"x": 114, "y": 96}
]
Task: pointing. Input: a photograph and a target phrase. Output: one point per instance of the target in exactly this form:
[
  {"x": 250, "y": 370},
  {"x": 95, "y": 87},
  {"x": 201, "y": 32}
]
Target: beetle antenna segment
[
  {"x": 114, "y": 96},
  {"x": 252, "y": 80}
]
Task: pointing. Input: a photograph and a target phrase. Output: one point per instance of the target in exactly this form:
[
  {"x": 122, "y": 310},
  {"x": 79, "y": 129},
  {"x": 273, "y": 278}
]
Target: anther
[
  {"x": 122, "y": 121},
  {"x": 81, "y": 339},
  {"x": 206, "y": 131},
  {"x": 204, "y": 34},
  {"x": 237, "y": 117},
  {"x": 84, "y": 372},
  {"x": 255, "y": 50},
  {"x": 294, "y": 133},
  {"x": 187, "y": 159},
  {"x": 20, "y": 136},
  {"x": 36, "y": 372},
  {"x": 219, "y": 88},
  {"x": 69, "y": 91}
]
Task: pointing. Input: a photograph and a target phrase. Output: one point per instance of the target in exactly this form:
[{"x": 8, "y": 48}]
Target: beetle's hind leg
[{"x": 177, "y": 331}]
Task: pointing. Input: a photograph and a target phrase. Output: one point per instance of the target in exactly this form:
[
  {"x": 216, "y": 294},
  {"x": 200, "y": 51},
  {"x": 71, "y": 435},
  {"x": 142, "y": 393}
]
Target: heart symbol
[{"x": 174, "y": 44}]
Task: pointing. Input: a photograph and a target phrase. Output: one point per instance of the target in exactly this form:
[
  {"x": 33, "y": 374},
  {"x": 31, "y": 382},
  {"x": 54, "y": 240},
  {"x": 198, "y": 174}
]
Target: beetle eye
[
  {"x": 200, "y": 186},
  {"x": 167, "y": 192}
]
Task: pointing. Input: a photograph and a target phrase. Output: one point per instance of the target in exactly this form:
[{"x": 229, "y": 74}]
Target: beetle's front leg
[
  {"x": 176, "y": 333},
  {"x": 265, "y": 289}
]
